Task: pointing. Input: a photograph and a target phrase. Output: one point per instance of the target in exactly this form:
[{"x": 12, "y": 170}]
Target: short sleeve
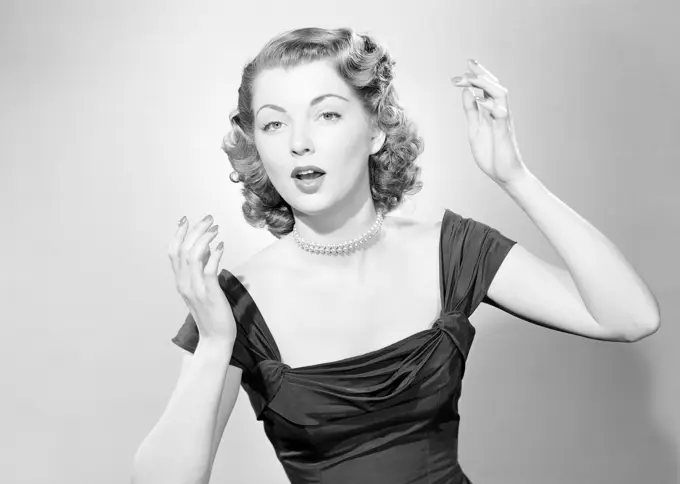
[
  {"x": 188, "y": 337},
  {"x": 472, "y": 253}
]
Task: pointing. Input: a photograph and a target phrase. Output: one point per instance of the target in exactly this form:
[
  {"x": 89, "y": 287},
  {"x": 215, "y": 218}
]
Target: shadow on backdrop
[{"x": 565, "y": 410}]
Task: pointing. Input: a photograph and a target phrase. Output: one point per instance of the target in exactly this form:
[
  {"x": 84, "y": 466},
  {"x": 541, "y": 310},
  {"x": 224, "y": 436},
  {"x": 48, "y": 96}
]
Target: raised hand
[
  {"x": 490, "y": 129},
  {"x": 195, "y": 270}
]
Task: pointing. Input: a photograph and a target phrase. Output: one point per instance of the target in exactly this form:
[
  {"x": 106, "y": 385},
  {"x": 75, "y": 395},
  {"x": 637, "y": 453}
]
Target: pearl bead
[{"x": 339, "y": 248}]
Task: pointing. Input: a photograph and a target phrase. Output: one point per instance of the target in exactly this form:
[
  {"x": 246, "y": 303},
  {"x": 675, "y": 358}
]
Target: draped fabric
[{"x": 389, "y": 416}]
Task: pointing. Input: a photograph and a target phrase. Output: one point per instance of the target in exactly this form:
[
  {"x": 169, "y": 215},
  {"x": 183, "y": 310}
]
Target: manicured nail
[{"x": 181, "y": 221}]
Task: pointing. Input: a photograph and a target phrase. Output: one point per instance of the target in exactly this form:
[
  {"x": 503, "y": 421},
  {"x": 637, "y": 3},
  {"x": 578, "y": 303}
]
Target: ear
[{"x": 377, "y": 139}]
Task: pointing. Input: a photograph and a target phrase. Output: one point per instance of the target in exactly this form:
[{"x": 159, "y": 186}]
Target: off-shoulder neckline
[{"x": 330, "y": 364}]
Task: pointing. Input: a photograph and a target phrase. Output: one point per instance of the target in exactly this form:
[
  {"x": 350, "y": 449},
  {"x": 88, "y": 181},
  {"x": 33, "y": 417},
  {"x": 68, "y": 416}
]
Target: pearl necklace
[{"x": 339, "y": 248}]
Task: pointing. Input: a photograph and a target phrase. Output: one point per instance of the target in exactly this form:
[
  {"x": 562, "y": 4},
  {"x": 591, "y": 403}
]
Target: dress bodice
[{"x": 386, "y": 416}]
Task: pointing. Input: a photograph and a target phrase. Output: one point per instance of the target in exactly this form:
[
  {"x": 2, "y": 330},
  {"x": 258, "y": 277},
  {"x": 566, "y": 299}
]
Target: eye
[
  {"x": 326, "y": 113},
  {"x": 266, "y": 126}
]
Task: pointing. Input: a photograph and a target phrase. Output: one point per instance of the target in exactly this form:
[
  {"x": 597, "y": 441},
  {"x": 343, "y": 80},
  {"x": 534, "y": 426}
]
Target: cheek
[
  {"x": 348, "y": 144},
  {"x": 263, "y": 146},
  {"x": 270, "y": 152}
]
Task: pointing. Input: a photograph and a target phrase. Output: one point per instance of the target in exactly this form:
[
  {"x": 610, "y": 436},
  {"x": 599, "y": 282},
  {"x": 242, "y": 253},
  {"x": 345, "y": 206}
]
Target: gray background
[{"x": 111, "y": 122}]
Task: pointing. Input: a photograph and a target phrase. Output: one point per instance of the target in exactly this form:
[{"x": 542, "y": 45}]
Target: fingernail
[
  {"x": 456, "y": 80},
  {"x": 474, "y": 61},
  {"x": 206, "y": 218},
  {"x": 181, "y": 221}
]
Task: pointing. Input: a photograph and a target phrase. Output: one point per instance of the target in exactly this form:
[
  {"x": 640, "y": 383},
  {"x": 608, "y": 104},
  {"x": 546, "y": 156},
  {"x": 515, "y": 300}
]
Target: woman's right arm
[{"x": 182, "y": 446}]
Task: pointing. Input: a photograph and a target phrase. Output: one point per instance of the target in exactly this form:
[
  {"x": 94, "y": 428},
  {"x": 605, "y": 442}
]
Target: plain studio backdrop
[{"x": 111, "y": 123}]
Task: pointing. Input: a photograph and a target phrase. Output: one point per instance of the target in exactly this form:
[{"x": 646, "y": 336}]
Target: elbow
[
  {"x": 646, "y": 325},
  {"x": 643, "y": 326},
  {"x": 642, "y": 331},
  {"x": 149, "y": 471},
  {"x": 139, "y": 474}
]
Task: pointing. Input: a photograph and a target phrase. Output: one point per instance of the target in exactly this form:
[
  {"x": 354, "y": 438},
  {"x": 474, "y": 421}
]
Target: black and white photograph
[{"x": 344, "y": 242}]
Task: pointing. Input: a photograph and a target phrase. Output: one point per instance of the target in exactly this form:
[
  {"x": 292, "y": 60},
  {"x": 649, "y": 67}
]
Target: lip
[
  {"x": 309, "y": 186},
  {"x": 299, "y": 169}
]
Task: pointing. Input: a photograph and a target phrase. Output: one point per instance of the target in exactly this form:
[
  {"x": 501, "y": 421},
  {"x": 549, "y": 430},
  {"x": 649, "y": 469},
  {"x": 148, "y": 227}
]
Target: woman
[{"x": 353, "y": 355}]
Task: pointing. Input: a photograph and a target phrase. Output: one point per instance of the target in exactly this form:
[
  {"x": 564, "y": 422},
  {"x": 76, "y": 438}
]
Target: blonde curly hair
[{"x": 367, "y": 67}]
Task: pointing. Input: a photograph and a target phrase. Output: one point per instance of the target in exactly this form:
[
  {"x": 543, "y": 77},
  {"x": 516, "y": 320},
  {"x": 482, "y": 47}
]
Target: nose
[{"x": 301, "y": 143}]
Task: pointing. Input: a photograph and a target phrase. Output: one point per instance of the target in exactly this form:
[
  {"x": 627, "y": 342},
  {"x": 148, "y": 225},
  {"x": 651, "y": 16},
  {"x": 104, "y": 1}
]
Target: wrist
[
  {"x": 517, "y": 182},
  {"x": 215, "y": 344}
]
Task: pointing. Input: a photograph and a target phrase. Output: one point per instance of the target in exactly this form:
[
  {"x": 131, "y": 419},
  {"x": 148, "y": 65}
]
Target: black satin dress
[{"x": 389, "y": 416}]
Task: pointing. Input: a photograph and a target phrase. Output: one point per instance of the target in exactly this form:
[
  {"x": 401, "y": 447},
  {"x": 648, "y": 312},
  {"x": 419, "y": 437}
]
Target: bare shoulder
[
  {"x": 262, "y": 262},
  {"x": 417, "y": 230},
  {"x": 246, "y": 268}
]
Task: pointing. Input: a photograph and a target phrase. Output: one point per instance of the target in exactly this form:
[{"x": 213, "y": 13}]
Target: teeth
[{"x": 306, "y": 172}]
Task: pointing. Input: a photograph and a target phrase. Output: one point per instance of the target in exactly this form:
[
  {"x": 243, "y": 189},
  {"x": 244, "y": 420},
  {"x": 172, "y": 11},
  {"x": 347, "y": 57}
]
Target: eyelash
[{"x": 266, "y": 126}]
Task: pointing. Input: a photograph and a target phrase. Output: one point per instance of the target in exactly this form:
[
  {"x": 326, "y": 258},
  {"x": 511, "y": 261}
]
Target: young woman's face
[{"x": 308, "y": 115}]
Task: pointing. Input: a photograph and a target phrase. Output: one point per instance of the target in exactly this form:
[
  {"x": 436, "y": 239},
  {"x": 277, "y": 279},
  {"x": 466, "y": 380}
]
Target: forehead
[{"x": 298, "y": 84}]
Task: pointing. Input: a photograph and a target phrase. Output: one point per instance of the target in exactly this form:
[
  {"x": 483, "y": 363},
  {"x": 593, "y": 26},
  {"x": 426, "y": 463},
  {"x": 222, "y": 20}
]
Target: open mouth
[{"x": 309, "y": 176}]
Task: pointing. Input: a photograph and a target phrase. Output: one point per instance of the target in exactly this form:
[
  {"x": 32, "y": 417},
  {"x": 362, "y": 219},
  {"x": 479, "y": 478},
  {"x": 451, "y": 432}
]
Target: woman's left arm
[
  {"x": 618, "y": 303},
  {"x": 611, "y": 290}
]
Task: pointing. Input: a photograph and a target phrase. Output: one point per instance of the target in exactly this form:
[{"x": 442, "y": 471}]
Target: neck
[
  {"x": 329, "y": 229},
  {"x": 334, "y": 228}
]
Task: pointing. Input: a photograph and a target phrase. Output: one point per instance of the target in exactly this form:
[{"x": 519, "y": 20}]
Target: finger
[
  {"x": 199, "y": 258},
  {"x": 486, "y": 102},
  {"x": 493, "y": 109},
  {"x": 479, "y": 69},
  {"x": 191, "y": 237},
  {"x": 486, "y": 105},
  {"x": 498, "y": 107},
  {"x": 471, "y": 109},
  {"x": 491, "y": 87},
  {"x": 213, "y": 262},
  {"x": 176, "y": 243}
]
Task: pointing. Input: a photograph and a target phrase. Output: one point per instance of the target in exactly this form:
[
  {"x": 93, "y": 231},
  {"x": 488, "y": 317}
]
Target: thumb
[{"x": 469, "y": 103}]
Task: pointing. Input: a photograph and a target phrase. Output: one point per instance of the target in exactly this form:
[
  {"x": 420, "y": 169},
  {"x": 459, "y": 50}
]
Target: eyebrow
[{"x": 314, "y": 101}]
